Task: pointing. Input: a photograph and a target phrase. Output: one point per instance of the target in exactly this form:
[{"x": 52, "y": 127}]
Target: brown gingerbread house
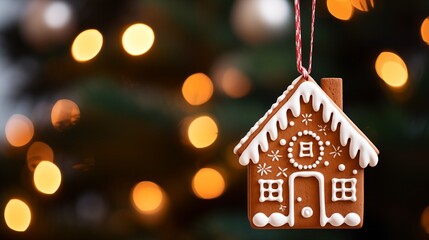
[{"x": 306, "y": 161}]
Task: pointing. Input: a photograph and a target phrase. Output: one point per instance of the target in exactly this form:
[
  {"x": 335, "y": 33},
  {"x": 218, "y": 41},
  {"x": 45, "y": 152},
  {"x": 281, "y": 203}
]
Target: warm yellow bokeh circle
[
  {"x": 202, "y": 132},
  {"x": 17, "y": 215},
  {"x": 138, "y": 39},
  {"x": 391, "y": 69},
  {"x": 197, "y": 89},
  {"x": 208, "y": 183},
  {"x": 47, "y": 177},
  {"x": 87, "y": 45},
  {"x": 147, "y": 197},
  {"x": 341, "y": 9}
]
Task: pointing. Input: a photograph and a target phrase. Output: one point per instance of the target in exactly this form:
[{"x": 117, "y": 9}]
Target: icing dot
[
  {"x": 310, "y": 133},
  {"x": 305, "y": 167},
  {"x": 282, "y": 142},
  {"x": 355, "y": 171},
  {"x": 290, "y": 149},
  {"x": 300, "y": 134},
  {"x": 352, "y": 219},
  {"x": 319, "y": 158},
  {"x": 317, "y": 162},
  {"x": 290, "y": 155},
  {"x": 291, "y": 144},
  {"x": 305, "y": 132},
  {"x": 307, "y": 212},
  {"x": 299, "y": 199},
  {"x": 320, "y": 143},
  {"x": 295, "y": 164},
  {"x": 315, "y": 165},
  {"x": 299, "y": 166},
  {"x": 341, "y": 167},
  {"x": 314, "y": 135},
  {"x": 294, "y": 138},
  {"x": 317, "y": 138},
  {"x": 292, "y": 160},
  {"x": 310, "y": 167},
  {"x": 336, "y": 219},
  {"x": 321, "y": 148},
  {"x": 326, "y": 163},
  {"x": 292, "y": 123},
  {"x": 260, "y": 220},
  {"x": 321, "y": 153},
  {"x": 327, "y": 143}
]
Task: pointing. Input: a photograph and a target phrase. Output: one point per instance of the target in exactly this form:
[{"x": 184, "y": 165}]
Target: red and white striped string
[{"x": 298, "y": 41}]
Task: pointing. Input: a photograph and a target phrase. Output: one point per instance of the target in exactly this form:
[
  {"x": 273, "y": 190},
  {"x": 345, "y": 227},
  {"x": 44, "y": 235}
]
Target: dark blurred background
[{"x": 136, "y": 129}]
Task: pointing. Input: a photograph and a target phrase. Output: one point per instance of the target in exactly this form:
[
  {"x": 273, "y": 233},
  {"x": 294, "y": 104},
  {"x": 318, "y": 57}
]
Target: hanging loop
[{"x": 298, "y": 41}]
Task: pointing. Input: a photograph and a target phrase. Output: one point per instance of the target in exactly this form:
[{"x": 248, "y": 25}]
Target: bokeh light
[
  {"x": 147, "y": 197},
  {"x": 363, "y": 5},
  {"x": 87, "y": 45},
  {"x": 47, "y": 177},
  {"x": 46, "y": 23},
  {"x": 17, "y": 215},
  {"x": 57, "y": 14},
  {"x": 138, "y": 39},
  {"x": 257, "y": 21},
  {"x": 19, "y": 130},
  {"x": 65, "y": 113},
  {"x": 392, "y": 69},
  {"x": 202, "y": 132},
  {"x": 235, "y": 83},
  {"x": 37, "y": 152},
  {"x": 424, "y": 30},
  {"x": 208, "y": 183},
  {"x": 197, "y": 89},
  {"x": 341, "y": 9},
  {"x": 425, "y": 219}
]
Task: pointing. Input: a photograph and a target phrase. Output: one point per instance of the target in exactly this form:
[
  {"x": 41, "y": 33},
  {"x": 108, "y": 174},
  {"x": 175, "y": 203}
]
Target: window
[
  {"x": 305, "y": 149},
  {"x": 270, "y": 190},
  {"x": 344, "y": 189}
]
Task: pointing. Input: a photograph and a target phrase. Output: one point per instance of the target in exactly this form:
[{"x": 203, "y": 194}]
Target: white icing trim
[
  {"x": 291, "y": 182},
  {"x": 307, "y": 90},
  {"x": 259, "y": 122},
  {"x": 270, "y": 190},
  {"x": 278, "y": 219},
  {"x": 343, "y": 190},
  {"x": 305, "y": 149}
]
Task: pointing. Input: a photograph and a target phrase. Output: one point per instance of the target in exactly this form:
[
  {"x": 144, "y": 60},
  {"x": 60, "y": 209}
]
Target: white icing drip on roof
[
  {"x": 348, "y": 131},
  {"x": 283, "y": 124}
]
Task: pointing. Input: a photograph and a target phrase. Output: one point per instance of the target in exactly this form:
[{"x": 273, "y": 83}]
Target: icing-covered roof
[{"x": 276, "y": 117}]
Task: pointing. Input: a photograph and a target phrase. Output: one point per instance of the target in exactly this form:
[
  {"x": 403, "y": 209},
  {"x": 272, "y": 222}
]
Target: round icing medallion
[
  {"x": 308, "y": 147},
  {"x": 307, "y": 212}
]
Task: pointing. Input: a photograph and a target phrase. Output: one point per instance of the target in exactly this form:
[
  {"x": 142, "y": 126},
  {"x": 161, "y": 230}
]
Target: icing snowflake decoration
[
  {"x": 282, "y": 172},
  {"x": 274, "y": 155},
  {"x": 322, "y": 129},
  {"x": 276, "y": 119},
  {"x": 264, "y": 169},
  {"x": 337, "y": 151},
  {"x": 306, "y": 118},
  {"x": 282, "y": 207}
]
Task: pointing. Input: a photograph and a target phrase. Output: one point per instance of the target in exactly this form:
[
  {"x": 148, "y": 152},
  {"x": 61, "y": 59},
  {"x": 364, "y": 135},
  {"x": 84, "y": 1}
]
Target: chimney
[{"x": 333, "y": 87}]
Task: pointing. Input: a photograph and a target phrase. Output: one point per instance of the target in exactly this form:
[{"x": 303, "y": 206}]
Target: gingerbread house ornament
[{"x": 306, "y": 161}]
